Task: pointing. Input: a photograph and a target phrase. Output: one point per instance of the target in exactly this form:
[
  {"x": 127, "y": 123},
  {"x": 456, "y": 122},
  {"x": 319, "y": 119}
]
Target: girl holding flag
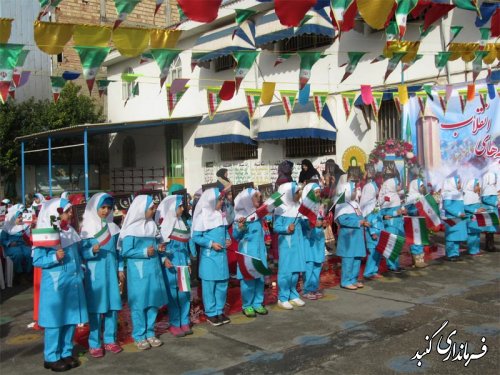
[
  {"x": 175, "y": 235},
  {"x": 489, "y": 198},
  {"x": 351, "y": 243},
  {"x": 288, "y": 225},
  {"x": 14, "y": 238},
  {"x": 104, "y": 269},
  {"x": 248, "y": 231},
  {"x": 472, "y": 205},
  {"x": 391, "y": 212},
  {"x": 314, "y": 242},
  {"x": 371, "y": 213},
  {"x": 454, "y": 210},
  {"x": 145, "y": 282},
  {"x": 417, "y": 192},
  {"x": 56, "y": 248},
  {"x": 209, "y": 230}
]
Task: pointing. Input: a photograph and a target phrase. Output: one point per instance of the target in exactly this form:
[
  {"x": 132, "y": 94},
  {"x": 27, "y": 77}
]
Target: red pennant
[
  {"x": 349, "y": 18},
  {"x": 90, "y": 84},
  {"x": 56, "y": 95},
  {"x": 435, "y": 12},
  {"x": 227, "y": 90},
  {"x": 292, "y": 14},
  {"x": 4, "y": 90},
  {"x": 101, "y": 91},
  {"x": 421, "y": 6},
  {"x": 200, "y": 11},
  {"x": 16, "y": 78},
  {"x": 117, "y": 23},
  {"x": 391, "y": 14},
  {"x": 495, "y": 24},
  {"x": 12, "y": 93}
]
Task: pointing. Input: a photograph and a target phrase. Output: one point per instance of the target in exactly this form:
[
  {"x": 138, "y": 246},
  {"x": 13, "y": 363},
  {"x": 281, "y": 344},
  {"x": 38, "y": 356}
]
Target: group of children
[{"x": 82, "y": 273}]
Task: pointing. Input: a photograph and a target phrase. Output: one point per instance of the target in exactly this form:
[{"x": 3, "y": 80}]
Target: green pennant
[
  {"x": 244, "y": 61},
  {"x": 307, "y": 60},
  {"x": 123, "y": 9},
  {"x": 402, "y": 11},
  {"x": 252, "y": 97},
  {"x": 282, "y": 57},
  {"x": 102, "y": 86},
  {"x": 354, "y": 58},
  {"x": 408, "y": 128},
  {"x": 288, "y": 98},
  {"x": 391, "y": 31},
  {"x": 213, "y": 101},
  {"x": 483, "y": 96},
  {"x": 306, "y": 18},
  {"x": 91, "y": 59},
  {"x": 377, "y": 96},
  {"x": 164, "y": 57},
  {"x": 16, "y": 74},
  {"x": 467, "y": 5},
  {"x": 454, "y": 31},
  {"x": 425, "y": 32},
  {"x": 348, "y": 99},
  {"x": 9, "y": 55},
  {"x": 393, "y": 63},
  {"x": 173, "y": 99},
  {"x": 428, "y": 91},
  {"x": 130, "y": 77},
  {"x": 440, "y": 60},
  {"x": 462, "y": 96},
  {"x": 442, "y": 100},
  {"x": 319, "y": 100},
  {"x": 422, "y": 100},
  {"x": 182, "y": 16},
  {"x": 339, "y": 8},
  {"x": 243, "y": 14},
  {"x": 407, "y": 65},
  {"x": 477, "y": 63},
  {"x": 57, "y": 84}
]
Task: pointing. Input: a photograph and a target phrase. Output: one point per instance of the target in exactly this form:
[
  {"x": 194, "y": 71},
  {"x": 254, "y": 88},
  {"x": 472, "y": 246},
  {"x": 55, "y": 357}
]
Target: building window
[
  {"x": 389, "y": 121},
  {"x": 237, "y": 151},
  {"x": 304, "y": 147},
  {"x": 127, "y": 87},
  {"x": 175, "y": 70},
  {"x": 303, "y": 42},
  {"x": 128, "y": 152},
  {"x": 223, "y": 63}
]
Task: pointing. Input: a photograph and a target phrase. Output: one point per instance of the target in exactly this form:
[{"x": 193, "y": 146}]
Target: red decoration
[
  {"x": 495, "y": 24},
  {"x": 349, "y": 18},
  {"x": 435, "y": 12},
  {"x": 422, "y": 5},
  {"x": 395, "y": 147},
  {"x": 291, "y": 14},
  {"x": 200, "y": 11},
  {"x": 227, "y": 90}
]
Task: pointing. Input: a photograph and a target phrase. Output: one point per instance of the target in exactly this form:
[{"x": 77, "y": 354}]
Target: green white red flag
[
  {"x": 46, "y": 237},
  {"x": 416, "y": 230},
  {"x": 487, "y": 219},
  {"x": 404, "y": 8},
  {"x": 91, "y": 59},
  {"x": 354, "y": 58},
  {"x": 213, "y": 100},
  {"x": 390, "y": 245},
  {"x": 103, "y": 236},
  {"x": 164, "y": 57},
  {"x": 269, "y": 205},
  {"x": 348, "y": 99},
  {"x": 9, "y": 55},
  {"x": 244, "y": 61},
  {"x": 123, "y": 9},
  {"x": 183, "y": 278},
  {"x": 310, "y": 207},
  {"x": 307, "y": 60},
  {"x": 252, "y": 97},
  {"x": 319, "y": 100},
  {"x": 57, "y": 84},
  {"x": 174, "y": 98},
  {"x": 288, "y": 98},
  {"x": 429, "y": 209},
  {"x": 251, "y": 268}
]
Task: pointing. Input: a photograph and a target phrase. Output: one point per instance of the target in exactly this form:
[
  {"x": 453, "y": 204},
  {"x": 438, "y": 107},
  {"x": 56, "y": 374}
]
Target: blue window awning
[
  {"x": 270, "y": 30},
  {"x": 221, "y": 42},
  {"x": 303, "y": 123},
  {"x": 227, "y": 127}
]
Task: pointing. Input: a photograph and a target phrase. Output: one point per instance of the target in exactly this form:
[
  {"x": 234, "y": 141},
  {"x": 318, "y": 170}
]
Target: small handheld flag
[
  {"x": 487, "y": 219},
  {"x": 46, "y": 237},
  {"x": 250, "y": 267},
  {"x": 416, "y": 230},
  {"x": 183, "y": 278},
  {"x": 310, "y": 207},
  {"x": 103, "y": 236},
  {"x": 390, "y": 245},
  {"x": 269, "y": 205}
]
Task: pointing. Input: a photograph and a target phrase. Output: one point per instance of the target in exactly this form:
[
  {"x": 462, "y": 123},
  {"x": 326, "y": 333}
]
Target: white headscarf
[
  {"x": 92, "y": 223},
  {"x": 10, "y": 225},
  {"x": 39, "y": 196},
  {"x": 289, "y": 208},
  {"x": 350, "y": 206},
  {"x": 470, "y": 196},
  {"x": 389, "y": 189},
  {"x": 414, "y": 194},
  {"x": 368, "y": 200},
  {"x": 50, "y": 208},
  {"x": 450, "y": 190},
  {"x": 135, "y": 223},
  {"x": 206, "y": 217},
  {"x": 489, "y": 185},
  {"x": 65, "y": 195},
  {"x": 166, "y": 216},
  {"x": 243, "y": 205}
]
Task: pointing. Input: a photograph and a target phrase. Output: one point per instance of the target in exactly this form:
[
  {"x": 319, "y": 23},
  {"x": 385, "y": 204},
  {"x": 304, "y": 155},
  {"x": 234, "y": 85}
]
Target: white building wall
[{"x": 326, "y": 75}]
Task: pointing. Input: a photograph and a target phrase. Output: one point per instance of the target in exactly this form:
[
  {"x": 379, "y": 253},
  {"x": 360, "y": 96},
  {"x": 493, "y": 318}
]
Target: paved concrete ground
[{"x": 375, "y": 330}]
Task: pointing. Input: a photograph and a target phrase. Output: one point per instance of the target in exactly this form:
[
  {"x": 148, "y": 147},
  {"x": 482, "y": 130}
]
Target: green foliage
[{"x": 33, "y": 116}]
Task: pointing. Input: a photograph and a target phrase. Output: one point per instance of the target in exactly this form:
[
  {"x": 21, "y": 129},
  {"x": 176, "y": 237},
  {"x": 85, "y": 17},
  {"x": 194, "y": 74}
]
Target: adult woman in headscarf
[
  {"x": 62, "y": 297},
  {"x": 15, "y": 240},
  {"x": 331, "y": 176},
  {"x": 472, "y": 205},
  {"x": 371, "y": 213},
  {"x": 210, "y": 232},
  {"x": 454, "y": 209},
  {"x": 104, "y": 267},
  {"x": 415, "y": 194},
  {"x": 285, "y": 170},
  {"x": 145, "y": 282},
  {"x": 351, "y": 243},
  {"x": 392, "y": 211},
  {"x": 308, "y": 172},
  {"x": 289, "y": 227},
  {"x": 175, "y": 234},
  {"x": 489, "y": 198},
  {"x": 223, "y": 182},
  {"x": 247, "y": 229}
]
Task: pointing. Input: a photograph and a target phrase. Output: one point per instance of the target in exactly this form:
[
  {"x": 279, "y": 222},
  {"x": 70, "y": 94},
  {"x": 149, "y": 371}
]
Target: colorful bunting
[
  {"x": 178, "y": 85},
  {"x": 404, "y": 8},
  {"x": 307, "y": 60},
  {"x": 9, "y": 55},
  {"x": 102, "y": 86},
  {"x": 201, "y": 11},
  {"x": 376, "y": 12},
  {"x": 403, "y": 94},
  {"x": 304, "y": 94},
  {"x": 5, "y": 29},
  {"x": 164, "y": 38},
  {"x": 393, "y": 63},
  {"x": 467, "y": 5},
  {"x": 131, "y": 41},
  {"x": 252, "y": 97},
  {"x": 391, "y": 32},
  {"x": 319, "y": 100},
  {"x": 164, "y": 58},
  {"x": 348, "y": 100},
  {"x": 422, "y": 100},
  {"x": 174, "y": 98},
  {"x": 424, "y": 32},
  {"x": 227, "y": 90},
  {"x": 376, "y": 103},
  {"x": 471, "y": 92},
  {"x": 57, "y": 84},
  {"x": 91, "y": 59},
  {"x": 282, "y": 57},
  {"x": 440, "y": 60},
  {"x": 69, "y": 75},
  {"x": 244, "y": 61},
  {"x": 267, "y": 92},
  {"x": 339, "y": 8},
  {"x": 18, "y": 70},
  {"x": 123, "y": 9},
  {"x": 436, "y": 12},
  {"x": 146, "y": 57},
  {"x": 377, "y": 59},
  {"x": 291, "y": 15},
  {"x": 483, "y": 96},
  {"x": 52, "y": 37},
  {"x": 288, "y": 98},
  {"x": 348, "y": 17},
  {"x": 477, "y": 64},
  {"x": 462, "y": 96},
  {"x": 91, "y": 35},
  {"x": 243, "y": 14},
  {"x": 213, "y": 100},
  {"x": 495, "y": 24},
  {"x": 454, "y": 31},
  {"x": 442, "y": 100},
  {"x": 354, "y": 58},
  {"x": 327, "y": 116},
  {"x": 428, "y": 91},
  {"x": 47, "y": 6},
  {"x": 366, "y": 94},
  {"x": 407, "y": 65}
]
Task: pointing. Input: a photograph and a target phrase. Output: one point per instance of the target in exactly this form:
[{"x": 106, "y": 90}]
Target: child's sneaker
[
  {"x": 176, "y": 331},
  {"x": 214, "y": 320},
  {"x": 96, "y": 352},
  {"x": 249, "y": 312},
  {"x": 154, "y": 342},
  {"x": 143, "y": 345},
  {"x": 186, "y": 329},
  {"x": 224, "y": 319},
  {"x": 319, "y": 294},
  {"x": 113, "y": 347},
  {"x": 310, "y": 296},
  {"x": 285, "y": 305},
  {"x": 261, "y": 310},
  {"x": 297, "y": 302}
]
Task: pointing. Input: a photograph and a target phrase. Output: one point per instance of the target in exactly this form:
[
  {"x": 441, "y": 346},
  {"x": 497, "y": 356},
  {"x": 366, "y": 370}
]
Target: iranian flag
[
  {"x": 183, "y": 278},
  {"x": 310, "y": 207},
  {"x": 173, "y": 99},
  {"x": 91, "y": 59},
  {"x": 348, "y": 99},
  {"x": 123, "y": 9},
  {"x": 164, "y": 58},
  {"x": 213, "y": 100},
  {"x": 319, "y": 100},
  {"x": 487, "y": 219},
  {"x": 307, "y": 60},
  {"x": 390, "y": 245},
  {"x": 46, "y": 237},
  {"x": 103, "y": 236},
  {"x": 252, "y": 98},
  {"x": 57, "y": 84},
  {"x": 416, "y": 230},
  {"x": 288, "y": 98},
  {"x": 250, "y": 267},
  {"x": 354, "y": 58},
  {"x": 269, "y": 205},
  {"x": 404, "y": 8},
  {"x": 244, "y": 61},
  {"x": 9, "y": 54},
  {"x": 180, "y": 235},
  {"x": 452, "y": 221},
  {"x": 429, "y": 209}
]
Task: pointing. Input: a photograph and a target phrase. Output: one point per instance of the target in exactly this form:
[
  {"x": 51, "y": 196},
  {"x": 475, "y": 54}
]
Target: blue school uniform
[
  {"x": 213, "y": 269},
  {"x": 458, "y": 232},
  {"x": 393, "y": 225},
  {"x": 413, "y": 211},
  {"x": 145, "y": 284},
  {"x": 15, "y": 248},
  {"x": 373, "y": 257},
  {"x": 251, "y": 241},
  {"x": 292, "y": 260},
  {"x": 102, "y": 289},
  {"x": 350, "y": 247},
  {"x": 490, "y": 202},
  {"x": 314, "y": 243},
  {"x": 473, "y": 230}
]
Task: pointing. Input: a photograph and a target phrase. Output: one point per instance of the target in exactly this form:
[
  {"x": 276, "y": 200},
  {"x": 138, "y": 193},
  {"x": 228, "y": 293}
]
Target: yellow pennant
[
  {"x": 92, "y": 35},
  {"x": 161, "y": 38},
  {"x": 267, "y": 92},
  {"x": 130, "y": 41},
  {"x": 5, "y": 29},
  {"x": 375, "y": 12},
  {"x": 403, "y": 94},
  {"x": 52, "y": 37}
]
